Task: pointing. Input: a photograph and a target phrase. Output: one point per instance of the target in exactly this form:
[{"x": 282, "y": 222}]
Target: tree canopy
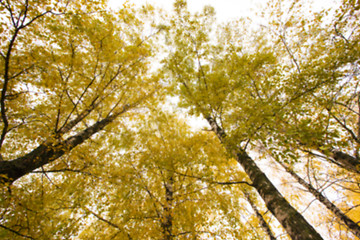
[{"x": 92, "y": 145}]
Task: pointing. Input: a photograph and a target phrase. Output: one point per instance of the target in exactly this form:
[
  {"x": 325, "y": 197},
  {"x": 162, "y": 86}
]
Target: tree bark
[
  {"x": 292, "y": 221},
  {"x": 167, "y": 218},
  {"x": 263, "y": 223},
  {"x": 49, "y": 151},
  {"x": 354, "y": 228},
  {"x": 347, "y": 161}
]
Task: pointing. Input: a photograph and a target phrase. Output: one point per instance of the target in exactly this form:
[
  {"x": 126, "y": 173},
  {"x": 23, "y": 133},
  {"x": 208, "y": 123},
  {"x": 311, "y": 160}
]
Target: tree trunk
[
  {"x": 50, "y": 151},
  {"x": 347, "y": 161},
  {"x": 292, "y": 221},
  {"x": 354, "y": 228},
  {"x": 263, "y": 223},
  {"x": 167, "y": 218}
]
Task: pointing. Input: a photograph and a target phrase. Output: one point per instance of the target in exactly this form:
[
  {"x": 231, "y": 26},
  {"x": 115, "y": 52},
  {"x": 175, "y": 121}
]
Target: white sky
[{"x": 225, "y": 9}]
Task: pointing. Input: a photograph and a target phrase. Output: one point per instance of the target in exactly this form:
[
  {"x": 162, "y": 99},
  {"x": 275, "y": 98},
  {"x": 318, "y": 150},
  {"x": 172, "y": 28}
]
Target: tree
[
  {"x": 320, "y": 52},
  {"x": 355, "y": 228},
  {"x": 169, "y": 186},
  {"x": 263, "y": 222},
  {"x": 67, "y": 72},
  {"x": 89, "y": 148},
  {"x": 317, "y": 193},
  {"x": 321, "y": 116},
  {"x": 221, "y": 82},
  {"x": 170, "y": 183}
]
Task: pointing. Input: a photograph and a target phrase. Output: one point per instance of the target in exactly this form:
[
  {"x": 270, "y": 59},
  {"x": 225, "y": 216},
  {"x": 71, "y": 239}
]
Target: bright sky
[{"x": 225, "y": 9}]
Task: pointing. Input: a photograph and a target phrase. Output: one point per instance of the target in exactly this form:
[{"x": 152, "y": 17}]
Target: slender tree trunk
[
  {"x": 354, "y": 228},
  {"x": 167, "y": 221},
  {"x": 263, "y": 223},
  {"x": 292, "y": 221}
]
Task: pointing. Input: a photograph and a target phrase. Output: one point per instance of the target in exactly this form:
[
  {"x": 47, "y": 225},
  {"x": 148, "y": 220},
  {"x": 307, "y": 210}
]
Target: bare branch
[
  {"x": 81, "y": 171},
  {"x": 51, "y": 150},
  {"x": 347, "y": 106},
  {"x": 16, "y": 232},
  {"x": 231, "y": 183},
  {"x": 214, "y": 182},
  {"x": 343, "y": 124},
  {"x": 104, "y": 220},
  {"x": 7, "y": 58}
]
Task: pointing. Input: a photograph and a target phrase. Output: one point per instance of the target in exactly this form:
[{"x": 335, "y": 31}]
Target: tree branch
[
  {"x": 104, "y": 220},
  {"x": 51, "y": 150},
  {"x": 16, "y": 232}
]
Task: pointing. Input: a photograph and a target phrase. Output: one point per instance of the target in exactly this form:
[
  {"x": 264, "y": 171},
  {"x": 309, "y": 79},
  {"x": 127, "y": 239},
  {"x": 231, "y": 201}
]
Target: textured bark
[
  {"x": 69, "y": 125},
  {"x": 353, "y": 227},
  {"x": 50, "y": 151},
  {"x": 263, "y": 223},
  {"x": 347, "y": 161},
  {"x": 292, "y": 221},
  {"x": 167, "y": 219}
]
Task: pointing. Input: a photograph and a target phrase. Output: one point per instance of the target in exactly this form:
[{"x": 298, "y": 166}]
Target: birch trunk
[
  {"x": 354, "y": 228},
  {"x": 293, "y": 222}
]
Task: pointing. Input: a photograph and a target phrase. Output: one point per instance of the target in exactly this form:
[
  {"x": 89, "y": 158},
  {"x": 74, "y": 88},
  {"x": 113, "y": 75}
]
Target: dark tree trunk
[
  {"x": 354, "y": 228},
  {"x": 167, "y": 219},
  {"x": 50, "y": 151},
  {"x": 346, "y": 161},
  {"x": 292, "y": 221}
]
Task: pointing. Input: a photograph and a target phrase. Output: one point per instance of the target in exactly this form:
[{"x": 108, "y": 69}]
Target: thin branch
[
  {"x": 353, "y": 135},
  {"x": 322, "y": 157},
  {"x": 340, "y": 34},
  {"x": 16, "y": 232},
  {"x": 311, "y": 202},
  {"x": 21, "y": 72},
  {"x": 7, "y": 77},
  {"x": 103, "y": 219},
  {"x": 231, "y": 183},
  {"x": 196, "y": 233},
  {"x": 146, "y": 188},
  {"x": 34, "y": 19},
  {"x": 67, "y": 170},
  {"x": 43, "y": 171},
  {"x": 346, "y": 106},
  {"x": 214, "y": 182},
  {"x": 290, "y": 53}
]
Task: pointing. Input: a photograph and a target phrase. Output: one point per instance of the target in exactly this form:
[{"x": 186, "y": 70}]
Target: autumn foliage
[{"x": 98, "y": 111}]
